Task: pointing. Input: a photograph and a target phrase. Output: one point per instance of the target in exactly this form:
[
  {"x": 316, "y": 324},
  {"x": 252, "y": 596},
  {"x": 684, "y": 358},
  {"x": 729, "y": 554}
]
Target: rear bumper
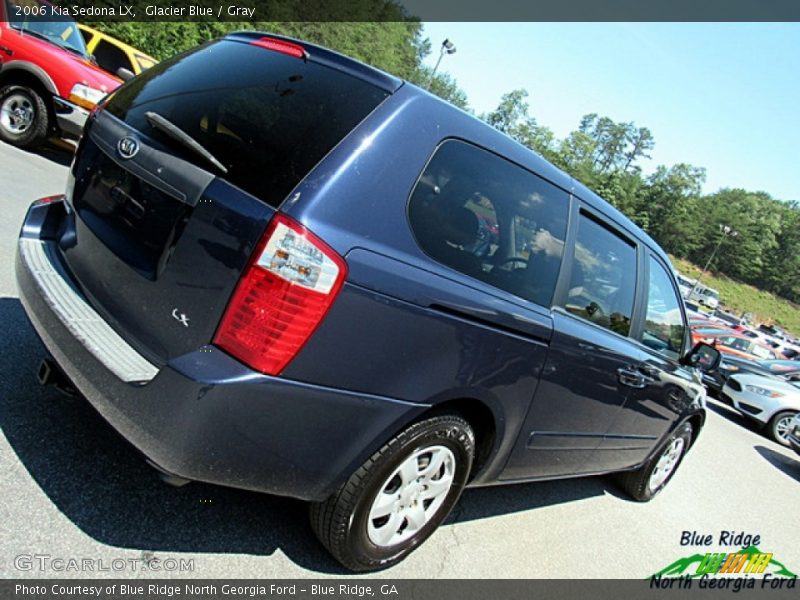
[
  {"x": 70, "y": 117},
  {"x": 204, "y": 416}
]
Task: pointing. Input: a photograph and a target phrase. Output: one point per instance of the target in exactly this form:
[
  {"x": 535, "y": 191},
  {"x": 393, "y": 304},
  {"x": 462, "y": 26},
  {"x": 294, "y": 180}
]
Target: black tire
[
  {"x": 637, "y": 483},
  {"x": 773, "y": 426},
  {"x": 12, "y": 129},
  {"x": 341, "y": 522}
]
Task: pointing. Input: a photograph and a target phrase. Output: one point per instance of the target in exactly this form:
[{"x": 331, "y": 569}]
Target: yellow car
[{"x": 113, "y": 55}]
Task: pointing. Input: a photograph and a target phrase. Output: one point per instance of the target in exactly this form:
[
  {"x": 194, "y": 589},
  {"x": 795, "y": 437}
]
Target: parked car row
[
  {"x": 731, "y": 343},
  {"x": 730, "y": 365},
  {"x": 698, "y": 297},
  {"x": 756, "y": 379},
  {"x": 781, "y": 347}
]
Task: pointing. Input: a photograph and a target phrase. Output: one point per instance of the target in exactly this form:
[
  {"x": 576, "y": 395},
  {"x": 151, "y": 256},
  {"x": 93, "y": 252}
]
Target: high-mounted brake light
[
  {"x": 282, "y": 46},
  {"x": 285, "y": 292}
]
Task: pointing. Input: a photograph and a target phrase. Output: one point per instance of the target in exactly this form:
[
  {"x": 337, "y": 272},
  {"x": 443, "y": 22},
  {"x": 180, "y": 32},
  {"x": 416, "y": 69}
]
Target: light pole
[
  {"x": 448, "y": 47},
  {"x": 726, "y": 231}
]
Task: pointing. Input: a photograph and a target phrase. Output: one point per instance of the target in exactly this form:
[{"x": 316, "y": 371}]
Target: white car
[
  {"x": 706, "y": 296},
  {"x": 771, "y": 401},
  {"x": 685, "y": 284}
]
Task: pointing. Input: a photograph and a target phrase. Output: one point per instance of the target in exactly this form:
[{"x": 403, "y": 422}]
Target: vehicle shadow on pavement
[
  {"x": 727, "y": 411},
  {"x": 482, "y": 503},
  {"x": 57, "y": 151},
  {"x": 102, "y": 484},
  {"x": 789, "y": 466}
]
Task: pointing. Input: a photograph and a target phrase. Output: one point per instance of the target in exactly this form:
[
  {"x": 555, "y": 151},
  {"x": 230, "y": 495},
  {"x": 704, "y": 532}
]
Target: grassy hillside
[{"x": 740, "y": 297}]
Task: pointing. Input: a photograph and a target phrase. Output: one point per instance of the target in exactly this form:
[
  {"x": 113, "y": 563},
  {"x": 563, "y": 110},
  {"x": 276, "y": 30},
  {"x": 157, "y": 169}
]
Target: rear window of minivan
[{"x": 269, "y": 118}]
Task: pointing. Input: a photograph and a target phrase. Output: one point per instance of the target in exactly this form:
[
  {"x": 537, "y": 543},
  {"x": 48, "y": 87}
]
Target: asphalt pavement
[{"x": 73, "y": 489}]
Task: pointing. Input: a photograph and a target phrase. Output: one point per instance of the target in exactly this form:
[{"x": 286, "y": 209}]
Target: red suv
[{"x": 48, "y": 81}]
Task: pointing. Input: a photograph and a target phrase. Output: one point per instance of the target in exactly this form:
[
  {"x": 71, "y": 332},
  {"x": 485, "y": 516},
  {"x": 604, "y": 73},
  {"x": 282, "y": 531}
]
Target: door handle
[
  {"x": 651, "y": 374},
  {"x": 631, "y": 378}
]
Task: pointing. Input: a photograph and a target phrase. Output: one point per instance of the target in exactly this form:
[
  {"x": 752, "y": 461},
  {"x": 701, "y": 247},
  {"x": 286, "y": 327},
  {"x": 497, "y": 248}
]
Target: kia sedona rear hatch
[{"x": 178, "y": 174}]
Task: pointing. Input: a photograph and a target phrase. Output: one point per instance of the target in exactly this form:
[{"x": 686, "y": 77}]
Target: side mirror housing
[
  {"x": 124, "y": 74},
  {"x": 703, "y": 356}
]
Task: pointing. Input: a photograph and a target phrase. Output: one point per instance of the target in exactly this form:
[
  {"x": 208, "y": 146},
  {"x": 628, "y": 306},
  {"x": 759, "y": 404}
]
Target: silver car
[{"x": 771, "y": 401}]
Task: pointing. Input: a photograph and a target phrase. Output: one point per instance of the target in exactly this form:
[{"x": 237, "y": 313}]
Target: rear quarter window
[
  {"x": 267, "y": 117},
  {"x": 488, "y": 218}
]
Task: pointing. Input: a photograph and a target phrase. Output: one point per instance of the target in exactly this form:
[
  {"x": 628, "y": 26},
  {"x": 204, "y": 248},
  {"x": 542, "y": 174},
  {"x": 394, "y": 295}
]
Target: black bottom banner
[{"x": 399, "y": 589}]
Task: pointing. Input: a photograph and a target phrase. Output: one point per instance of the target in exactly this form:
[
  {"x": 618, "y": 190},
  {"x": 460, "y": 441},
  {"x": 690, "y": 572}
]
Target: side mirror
[
  {"x": 703, "y": 357},
  {"x": 124, "y": 74}
]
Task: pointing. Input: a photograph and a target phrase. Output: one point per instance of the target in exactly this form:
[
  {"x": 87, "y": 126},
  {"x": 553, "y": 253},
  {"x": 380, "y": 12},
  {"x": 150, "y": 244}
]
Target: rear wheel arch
[
  {"x": 392, "y": 503},
  {"x": 485, "y": 422}
]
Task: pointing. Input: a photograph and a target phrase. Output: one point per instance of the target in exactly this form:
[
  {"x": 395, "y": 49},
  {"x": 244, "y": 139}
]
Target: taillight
[
  {"x": 282, "y": 46},
  {"x": 282, "y": 297}
]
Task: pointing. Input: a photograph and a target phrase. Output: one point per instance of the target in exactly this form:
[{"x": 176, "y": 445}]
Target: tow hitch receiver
[{"x": 50, "y": 374}]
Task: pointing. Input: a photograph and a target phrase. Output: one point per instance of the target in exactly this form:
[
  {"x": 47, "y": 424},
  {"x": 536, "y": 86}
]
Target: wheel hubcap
[
  {"x": 411, "y": 496},
  {"x": 782, "y": 429},
  {"x": 666, "y": 463},
  {"x": 17, "y": 114}
]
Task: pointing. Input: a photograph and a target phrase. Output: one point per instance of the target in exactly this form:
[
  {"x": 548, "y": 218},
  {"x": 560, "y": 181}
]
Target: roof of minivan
[{"x": 522, "y": 155}]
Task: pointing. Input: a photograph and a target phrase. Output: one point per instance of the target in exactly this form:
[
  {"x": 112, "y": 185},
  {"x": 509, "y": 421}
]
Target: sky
[{"x": 723, "y": 96}]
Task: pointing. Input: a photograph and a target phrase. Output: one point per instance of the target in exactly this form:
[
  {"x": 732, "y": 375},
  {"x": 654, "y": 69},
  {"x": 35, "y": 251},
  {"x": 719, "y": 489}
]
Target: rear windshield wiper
[{"x": 179, "y": 135}]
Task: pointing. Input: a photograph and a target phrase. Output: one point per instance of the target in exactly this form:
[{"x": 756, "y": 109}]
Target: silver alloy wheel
[
  {"x": 782, "y": 427},
  {"x": 17, "y": 114},
  {"x": 666, "y": 464},
  {"x": 411, "y": 496}
]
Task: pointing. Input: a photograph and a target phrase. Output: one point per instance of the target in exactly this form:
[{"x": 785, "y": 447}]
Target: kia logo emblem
[{"x": 128, "y": 147}]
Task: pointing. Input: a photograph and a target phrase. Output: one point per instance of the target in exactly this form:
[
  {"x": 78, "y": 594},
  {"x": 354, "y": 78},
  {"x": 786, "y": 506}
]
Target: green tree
[
  {"x": 442, "y": 84},
  {"x": 670, "y": 199},
  {"x": 512, "y": 117},
  {"x": 755, "y": 218},
  {"x": 782, "y": 268}
]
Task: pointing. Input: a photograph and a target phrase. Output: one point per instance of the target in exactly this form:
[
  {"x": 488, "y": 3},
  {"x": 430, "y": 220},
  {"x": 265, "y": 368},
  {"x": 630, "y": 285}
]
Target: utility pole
[
  {"x": 448, "y": 47},
  {"x": 725, "y": 231}
]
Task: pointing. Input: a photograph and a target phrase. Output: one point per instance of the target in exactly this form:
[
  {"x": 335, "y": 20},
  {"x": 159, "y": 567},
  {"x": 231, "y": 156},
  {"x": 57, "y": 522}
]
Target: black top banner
[{"x": 402, "y": 10}]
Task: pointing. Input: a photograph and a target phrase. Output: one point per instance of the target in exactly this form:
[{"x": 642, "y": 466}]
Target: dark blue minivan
[{"x": 278, "y": 269}]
